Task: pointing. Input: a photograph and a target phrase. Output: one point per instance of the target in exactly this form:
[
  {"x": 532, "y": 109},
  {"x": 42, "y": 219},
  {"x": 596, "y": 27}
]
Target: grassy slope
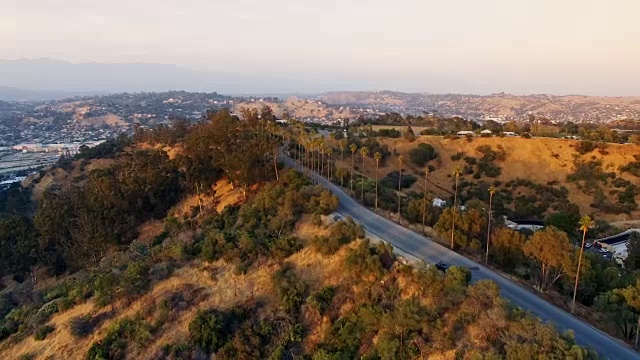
[
  {"x": 531, "y": 159},
  {"x": 209, "y": 284}
]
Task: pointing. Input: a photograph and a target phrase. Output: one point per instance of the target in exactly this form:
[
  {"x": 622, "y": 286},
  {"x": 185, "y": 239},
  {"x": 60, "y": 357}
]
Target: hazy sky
[{"x": 471, "y": 46}]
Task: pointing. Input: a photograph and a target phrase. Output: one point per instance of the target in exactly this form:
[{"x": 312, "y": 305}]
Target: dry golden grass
[
  {"x": 217, "y": 286},
  {"x": 109, "y": 119},
  {"x": 540, "y": 160}
]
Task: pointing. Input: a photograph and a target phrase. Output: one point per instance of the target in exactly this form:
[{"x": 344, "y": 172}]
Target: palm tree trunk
[
  {"x": 322, "y": 163},
  {"x": 377, "y": 166},
  {"x": 637, "y": 332},
  {"x": 363, "y": 177},
  {"x": 486, "y": 257},
  {"x": 275, "y": 165},
  {"x": 351, "y": 182},
  {"x": 575, "y": 287},
  {"x": 342, "y": 162},
  {"x": 399, "y": 188},
  {"x": 424, "y": 204},
  {"x": 455, "y": 206}
]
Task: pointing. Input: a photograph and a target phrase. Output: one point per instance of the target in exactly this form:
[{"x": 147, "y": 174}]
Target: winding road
[{"x": 431, "y": 252}]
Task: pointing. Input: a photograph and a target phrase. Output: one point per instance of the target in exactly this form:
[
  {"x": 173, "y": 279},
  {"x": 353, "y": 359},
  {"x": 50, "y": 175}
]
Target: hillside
[
  {"x": 234, "y": 257},
  {"x": 388, "y": 308},
  {"x": 541, "y": 160},
  {"x": 512, "y": 107},
  {"x": 298, "y": 108}
]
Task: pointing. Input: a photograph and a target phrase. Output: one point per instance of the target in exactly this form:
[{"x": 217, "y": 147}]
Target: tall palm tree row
[
  {"x": 492, "y": 191},
  {"x": 585, "y": 224},
  {"x": 377, "y": 156},
  {"x": 456, "y": 173},
  {"x": 364, "y": 152}
]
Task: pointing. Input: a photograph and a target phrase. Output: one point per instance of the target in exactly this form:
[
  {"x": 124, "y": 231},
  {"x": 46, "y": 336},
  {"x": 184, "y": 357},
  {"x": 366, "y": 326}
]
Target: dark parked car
[{"x": 442, "y": 266}]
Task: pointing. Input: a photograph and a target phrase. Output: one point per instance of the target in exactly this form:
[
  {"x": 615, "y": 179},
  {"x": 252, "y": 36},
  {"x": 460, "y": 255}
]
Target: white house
[
  {"x": 486, "y": 132},
  {"x": 437, "y": 202},
  {"x": 465, "y": 133},
  {"x": 532, "y": 225},
  {"x": 617, "y": 244}
]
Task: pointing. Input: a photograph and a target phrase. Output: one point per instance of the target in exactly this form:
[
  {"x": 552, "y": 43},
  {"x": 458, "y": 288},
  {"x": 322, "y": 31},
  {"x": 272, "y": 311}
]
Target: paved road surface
[{"x": 432, "y": 252}]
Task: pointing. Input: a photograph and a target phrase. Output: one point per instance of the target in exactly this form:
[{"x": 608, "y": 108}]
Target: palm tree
[
  {"x": 322, "y": 147},
  {"x": 456, "y": 172},
  {"x": 317, "y": 142},
  {"x": 329, "y": 155},
  {"x": 378, "y": 157},
  {"x": 585, "y": 224},
  {"x": 353, "y": 149},
  {"x": 364, "y": 152},
  {"x": 343, "y": 144},
  {"x": 492, "y": 191},
  {"x": 399, "y": 185},
  {"x": 424, "y": 200}
]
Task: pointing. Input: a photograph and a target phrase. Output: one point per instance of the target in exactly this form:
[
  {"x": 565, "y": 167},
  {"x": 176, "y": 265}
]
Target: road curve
[{"x": 432, "y": 252}]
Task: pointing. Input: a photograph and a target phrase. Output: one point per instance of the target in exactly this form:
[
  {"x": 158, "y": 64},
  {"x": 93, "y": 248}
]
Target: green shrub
[
  {"x": 341, "y": 233},
  {"x": 290, "y": 288},
  {"x": 42, "y": 332},
  {"x": 585, "y": 146},
  {"x": 207, "y": 330},
  {"x": 83, "y": 326},
  {"x": 119, "y": 334},
  {"x": 104, "y": 288},
  {"x": 321, "y": 299},
  {"x": 391, "y": 180},
  {"x": 422, "y": 154}
]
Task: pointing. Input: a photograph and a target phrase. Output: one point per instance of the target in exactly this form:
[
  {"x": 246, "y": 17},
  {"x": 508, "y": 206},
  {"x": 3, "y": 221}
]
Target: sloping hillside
[
  {"x": 541, "y": 160},
  {"x": 299, "y": 109}
]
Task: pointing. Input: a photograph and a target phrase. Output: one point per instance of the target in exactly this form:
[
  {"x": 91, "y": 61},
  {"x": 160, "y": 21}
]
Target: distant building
[
  {"x": 5, "y": 184},
  {"x": 437, "y": 202},
  {"x": 617, "y": 244},
  {"x": 465, "y": 133},
  {"x": 486, "y": 132},
  {"x": 533, "y": 225},
  {"x": 509, "y": 133}
]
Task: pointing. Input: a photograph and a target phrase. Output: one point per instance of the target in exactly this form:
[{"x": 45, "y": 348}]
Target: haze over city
[{"x": 463, "y": 46}]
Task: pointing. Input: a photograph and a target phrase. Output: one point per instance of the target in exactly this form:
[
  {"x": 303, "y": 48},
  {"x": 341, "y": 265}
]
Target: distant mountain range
[
  {"x": 53, "y": 75},
  {"x": 8, "y": 93}
]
